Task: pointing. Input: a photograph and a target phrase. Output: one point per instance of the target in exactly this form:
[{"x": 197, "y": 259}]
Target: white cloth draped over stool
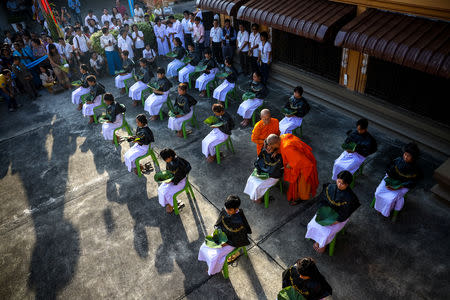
[
  {"x": 88, "y": 109},
  {"x": 76, "y": 94},
  {"x": 203, "y": 80},
  {"x": 347, "y": 162},
  {"x": 220, "y": 93},
  {"x": 386, "y": 200},
  {"x": 173, "y": 66},
  {"x": 133, "y": 153},
  {"x": 257, "y": 187},
  {"x": 119, "y": 80},
  {"x": 214, "y": 138},
  {"x": 323, "y": 235},
  {"x": 176, "y": 123},
  {"x": 247, "y": 107},
  {"x": 183, "y": 75},
  {"x": 154, "y": 102},
  {"x": 288, "y": 124},
  {"x": 108, "y": 128},
  {"x": 214, "y": 257},
  {"x": 135, "y": 90},
  {"x": 167, "y": 190}
]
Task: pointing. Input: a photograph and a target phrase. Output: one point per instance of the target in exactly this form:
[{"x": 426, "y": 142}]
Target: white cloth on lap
[
  {"x": 76, "y": 94},
  {"x": 214, "y": 257},
  {"x": 386, "y": 200},
  {"x": 323, "y": 235},
  {"x": 88, "y": 109},
  {"x": 176, "y": 123},
  {"x": 108, "y": 128},
  {"x": 133, "y": 153},
  {"x": 256, "y": 187},
  {"x": 135, "y": 90},
  {"x": 172, "y": 68},
  {"x": 347, "y": 162},
  {"x": 154, "y": 102},
  {"x": 220, "y": 93},
  {"x": 288, "y": 124},
  {"x": 203, "y": 80},
  {"x": 183, "y": 75},
  {"x": 214, "y": 138},
  {"x": 167, "y": 190},
  {"x": 119, "y": 80},
  {"x": 247, "y": 107}
]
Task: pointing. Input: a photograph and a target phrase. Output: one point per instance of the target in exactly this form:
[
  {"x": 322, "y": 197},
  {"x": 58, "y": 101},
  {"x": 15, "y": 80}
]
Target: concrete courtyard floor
[{"x": 75, "y": 224}]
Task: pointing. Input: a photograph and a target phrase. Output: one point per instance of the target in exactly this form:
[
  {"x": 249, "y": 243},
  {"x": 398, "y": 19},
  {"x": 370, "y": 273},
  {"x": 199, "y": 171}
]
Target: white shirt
[
  {"x": 8, "y": 40},
  {"x": 264, "y": 51},
  {"x": 242, "y": 37},
  {"x": 80, "y": 42},
  {"x": 126, "y": 44},
  {"x": 87, "y": 18},
  {"x": 119, "y": 17},
  {"x": 58, "y": 47},
  {"x": 66, "y": 50},
  {"x": 96, "y": 63},
  {"x": 216, "y": 34},
  {"x": 113, "y": 27},
  {"x": 254, "y": 40},
  {"x": 138, "y": 15},
  {"x": 104, "y": 42},
  {"x": 171, "y": 30},
  {"x": 160, "y": 31},
  {"x": 140, "y": 39},
  {"x": 179, "y": 29},
  {"x": 148, "y": 53},
  {"x": 93, "y": 29},
  {"x": 185, "y": 24},
  {"x": 107, "y": 17},
  {"x": 129, "y": 22}
]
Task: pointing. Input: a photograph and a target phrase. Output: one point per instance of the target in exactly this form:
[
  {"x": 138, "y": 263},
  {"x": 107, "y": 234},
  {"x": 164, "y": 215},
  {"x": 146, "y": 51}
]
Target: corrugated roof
[
  {"x": 315, "y": 19},
  {"x": 228, "y": 7},
  {"x": 418, "y": 43}
]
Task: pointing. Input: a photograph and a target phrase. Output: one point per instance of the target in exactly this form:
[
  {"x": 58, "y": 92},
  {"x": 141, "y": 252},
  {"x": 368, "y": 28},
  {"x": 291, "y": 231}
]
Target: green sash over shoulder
[{"x": 216, "y": 240}]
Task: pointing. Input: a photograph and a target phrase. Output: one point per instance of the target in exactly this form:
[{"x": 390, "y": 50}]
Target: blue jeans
[
  {"x": 114, "y": 62},
  {"x": 10, "y": 101}
]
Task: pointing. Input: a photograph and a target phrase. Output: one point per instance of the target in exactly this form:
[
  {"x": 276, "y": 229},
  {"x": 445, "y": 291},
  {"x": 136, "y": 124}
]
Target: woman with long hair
[{"x": 58, "y": 65}]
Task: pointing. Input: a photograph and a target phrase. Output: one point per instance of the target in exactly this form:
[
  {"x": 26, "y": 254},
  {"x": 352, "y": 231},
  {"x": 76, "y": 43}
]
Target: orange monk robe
[
  {"x": 302, "y": 176},
  {"x": 261, "y": 131}
]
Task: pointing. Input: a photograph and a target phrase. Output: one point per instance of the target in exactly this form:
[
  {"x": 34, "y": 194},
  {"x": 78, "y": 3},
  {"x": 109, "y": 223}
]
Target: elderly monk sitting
[{"x": 264, "y": 128}]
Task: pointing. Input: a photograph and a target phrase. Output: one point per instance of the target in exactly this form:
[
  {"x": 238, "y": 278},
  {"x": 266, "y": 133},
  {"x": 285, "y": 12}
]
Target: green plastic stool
[
  {"x": 188, "y": 189},
  {"x": 225, "y": 264},
  {"x": 169, "y": 107},
  {"x": 230, "y": 147},
  {"x": 191, "y": 77},
  {"x": 232, "y": 94},
  {"x": 257, "y": 110},
  {"x": 124, "y": 125},
  {"x": 299, "y": 130},
  {"x": 144, "y": 94},
  {"x": 210, "y": 85},
  {"x": 125, "y": 82},
  {"x": 332, "y": 245},
  {"x": 193, "y": 121},
  {"x": 395, "y": 213},
  {"x": 357, "y": 173},
  {"x": 149, "y": 152},
  {"x": 266, "y": 194},
  {"x": 83, "y": 98}
]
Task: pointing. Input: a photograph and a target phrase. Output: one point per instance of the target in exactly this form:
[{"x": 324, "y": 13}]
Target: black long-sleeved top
[
  {"x": 259, "y": 89},
  {"x": 209, "y": 63},
  {"x": 179, "y": 51},
  {"x": 365, "y": 143},
  {"x": 232, "y": 74},
  {"x": 183, "y": 103},
  {"x": 227, "y": 121},
  {"x": 235, "y": 227},
  {"x": 83, "y": 80},
  {"x": 299, "y": 105},
  {"x": 128, "y": 65},
  {"x": 112, "y": 111},
  {"x": 179, "y": 167},
  {"x": 194, "y": 57},
  {"x": 314, "y": 288},
  {"x": 343, "y": 202},
  {"x": 21, "y": 71},
  {"x": 144, "y": 74},
  {"x": 145, "y": 135},
  {"x": 265, "y": 163},
  {"x": 164, "y": 84},
  {"x": 407, "y": 173},
  {"x": 96, "y": 90}
]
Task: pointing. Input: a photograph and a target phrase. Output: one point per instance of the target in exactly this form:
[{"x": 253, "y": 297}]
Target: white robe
[
  {"x": 183, "y": 75},
  {"x": 247, "y": 107},
  {"x": 386, "y": 200},
  {"x": 154, "y": 102},
  {"x": 176, "y": 123},
  {"x": 203, "y": 80},
  {"x": 134, "y": 92},
  {"x": 88, "y": 109},
  {"x": 119, "y": 80},
  {"x": 323, "y": 235},
  {"x": 163, "y": 47},
  {"x": 76, "y": 94},
  {"x": 256, "y": 187},
  {"x": 288, "y": 124},
  {"x": 108, "y": 128},
  {"x": 214, "y": 138},
  {"x": 173, "y": 66},
  {"x": 214, "y": 257},
  {"x": 220, "y": 93},
  {"x": 171, "y": 30},
  {"x": 167, "y": 190},
  {"x": 347, "y": 162},
  {"x": 133, "y": 153}
]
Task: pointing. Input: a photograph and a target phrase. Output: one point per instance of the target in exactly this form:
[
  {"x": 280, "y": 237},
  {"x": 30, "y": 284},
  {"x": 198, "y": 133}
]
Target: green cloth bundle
[
  {"x": 350, "y": 146},
  {"x": 171, "y": 54},
  {"x": 87, "y": 97},
  {"x": 175, "y": 112},
  {"x": 76, "y": 83},
  {"x": 153, "y": 85},
  {"x": 120, "y": 72},
  {"x": 64, "y": 68},
  {"x": 163, "y": 176},
  {"x": 103, "y": 118},
  {"x": 248, "y": 95},
  {"x": 326, "y": 216},
  {"x": 211, "y": 120},
  {"x": 187, "y": 59},
  {"x": 262, "y": 176},
  {"x": 200, "y": 68},
  {"x": 393, "y": 183},
  {"x": 222, "y": 75},
  {"x": 288, "y": 112},
  {"x": 216, "y": 240},
  {"x": 289, "y": 293}
]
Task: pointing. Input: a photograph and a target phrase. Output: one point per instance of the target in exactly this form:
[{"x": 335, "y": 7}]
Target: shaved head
[
  {"x": 273, "y": 139},
  {"x": 265, "y": 113}
]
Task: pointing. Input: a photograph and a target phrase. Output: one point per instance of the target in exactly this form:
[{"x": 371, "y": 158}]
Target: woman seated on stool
[
  {"x": 208, "y": 74},
  {"x": 127, "y": 66},
  {"x": 218, "y": 134},
  {"x": 180, "y": 169},
  {"x": 113, "y": 116},
  {"x": 405, "y": 172},
  {"x": 172, "y": 67},
  {"x": 295, "y": 109},
  {"x": 143, "y": 76},
  {"x": 233, "y": 223},
  {"x": 220, "y": 93},
  {"x": 96, "y": 90},
  {"x": 183, "y": 109},
  {"x": 154, "y": 102},
  {"x": 194, "y": 58},
  {"x": 84, "y": 87},
  {"x": 247, "y": 107},
  {"x": 141, "y": 139},
  {"x": 269, "y": 161},
  {"x": 341, "y": 199}
]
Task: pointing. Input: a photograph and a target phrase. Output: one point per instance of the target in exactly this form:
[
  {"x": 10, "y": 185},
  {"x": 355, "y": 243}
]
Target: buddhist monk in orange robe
[{"x": 264, "y": 128}]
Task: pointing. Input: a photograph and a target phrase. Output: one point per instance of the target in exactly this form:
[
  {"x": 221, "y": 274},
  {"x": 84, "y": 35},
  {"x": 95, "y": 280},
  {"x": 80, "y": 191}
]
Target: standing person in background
[
  {"x": 138, "y": 40},
  {"x": 56, "y": 61},
  {"x": 90, "y": 16},
  {"x": 124, "y": 42},
  {"x": 187, "y": 28},
  {"x": 228, "y": 39},
  {"x": 67, "y": 54},
  {"x": 170, "y": 33},
  {"x": 264, "y": 56},
  {"x": 215, "y": 41},
  {"x": 75, "y": 5},
  {"x": 138, "y": 14},
  {"x": 106, "y": 16},
  {"x": 81, "y": 46},
  {"x": 24, "y": 77},
  {"x": 7, "y": 90},
  {"x": 178, "y": 30},
  {"x": 38, "y": 48},
  {"x": 242, "y": 48},
  {"x": 121, "y": 8},
  {"x": 117, "y": 15},
  {"x": 198, "y": 35},
  {"x": 160, "y": 34},
  {"x": 107, "y": 42},
  {"x": 254, "y": 40}
]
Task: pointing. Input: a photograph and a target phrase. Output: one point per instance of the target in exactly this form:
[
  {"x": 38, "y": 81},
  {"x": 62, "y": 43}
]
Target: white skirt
[
  {"x": 76, "y": 94},
  {"x": 214, "y": 138},
  {"x": 172, "y": 68},
  {"x": 163, "y": 47},
  {"x": 183, "y": 75},
  {"x": 256, "y": 187},
  {"x": 119, "y": 80},
  {"x": 167, "y": 190},
  {"x": 108, "y": 128},
  {"x": 323, "y": 235},
  {"x": 214, "y": 257},
  {"x": 135, "y": 90},
  {"x": 176, "y": 123},
  {"x": 386, "y": 200},
  {"x": 247, "y": 107},
  {"x": 88, "y": 109},
  {"x": 220, "y": 93},
  {"x": 154, "y": 103},
  {"x": 203, "y": 80},
  {"x": 133, "y": 153},
  {"x": 288, "y": 124},
  {"x": 347, "y": 162}
]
